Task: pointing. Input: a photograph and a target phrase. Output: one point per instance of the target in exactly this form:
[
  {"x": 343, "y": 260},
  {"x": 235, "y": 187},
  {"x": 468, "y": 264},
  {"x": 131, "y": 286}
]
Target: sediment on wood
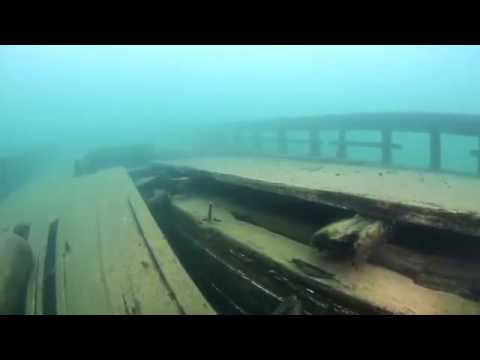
[{"x": 440, "y": 273}]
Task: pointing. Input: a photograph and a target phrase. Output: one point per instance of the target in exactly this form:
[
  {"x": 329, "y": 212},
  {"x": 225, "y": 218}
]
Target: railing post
[
  {"x": 314, "y": 143},
  {"x": 342, "y": 146},
  {"x": 387, "y": 147},
  {"x": 282, "y": 142},
  {"x": 435, "y": 150}
]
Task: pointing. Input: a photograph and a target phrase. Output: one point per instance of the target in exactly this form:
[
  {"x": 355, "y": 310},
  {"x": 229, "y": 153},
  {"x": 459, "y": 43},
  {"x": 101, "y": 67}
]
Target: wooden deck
[
  {"x": 439, "y": 200},
  {"x": 104, "y": 251},
  {"x": 376, "y": 289}
]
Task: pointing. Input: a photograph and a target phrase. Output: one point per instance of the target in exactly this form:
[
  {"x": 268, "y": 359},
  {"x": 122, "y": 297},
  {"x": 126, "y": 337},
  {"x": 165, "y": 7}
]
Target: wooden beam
[
  {"x": 275, "y": 265},
  {"x": 366, "y": 144},
  {"x": 435, "y": 150},
  {"x": 462, "y": 220},
  {"x": 458, "y": 124}
]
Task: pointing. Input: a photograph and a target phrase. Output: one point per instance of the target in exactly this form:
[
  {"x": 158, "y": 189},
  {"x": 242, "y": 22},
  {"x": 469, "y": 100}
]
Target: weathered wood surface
[
  {"x": 99, "y": 245},
  {"x": 38, "y": 241},
  {"x": 371, "y": 287},
  {"x": 437, "y": 272},
  {"x": 113, "y": 258},
  {"x": 290, "y": 306},
  {"x": 284, "y": 225},
  {"x": 434, "y": 272},
  {"x": 355, "y": 238},
  {"x": 37, "y": 204},
  {"x": 443, "y": 202}
]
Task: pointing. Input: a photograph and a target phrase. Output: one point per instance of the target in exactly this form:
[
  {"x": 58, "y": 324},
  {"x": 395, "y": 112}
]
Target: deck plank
[
  {"x": 38, "y": 241},
  {"x": 438, "y": 200},
  {"x": 109, "y": 268},
  {"x": 103, "y": 265},
  {"x": 373, "y": 284}
]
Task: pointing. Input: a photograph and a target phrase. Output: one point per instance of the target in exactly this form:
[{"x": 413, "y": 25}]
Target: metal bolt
[{"x": 210, "y": 211}]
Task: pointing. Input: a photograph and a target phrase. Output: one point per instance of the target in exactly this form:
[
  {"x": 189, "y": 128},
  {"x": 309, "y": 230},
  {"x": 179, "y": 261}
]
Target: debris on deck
[
  {"x": 247, "y": 235},
  {"x": 354, "y": 238},
  {"x": 267, "y": 242}
]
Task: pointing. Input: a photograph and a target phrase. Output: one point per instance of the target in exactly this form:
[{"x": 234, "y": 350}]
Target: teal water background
[{"x": 82, "y": 97}]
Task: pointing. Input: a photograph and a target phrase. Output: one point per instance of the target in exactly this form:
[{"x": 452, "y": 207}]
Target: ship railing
[{"x": 229, "y": 138}]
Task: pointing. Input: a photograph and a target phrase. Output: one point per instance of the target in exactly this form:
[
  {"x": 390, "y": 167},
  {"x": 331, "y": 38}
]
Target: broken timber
[
  {"x": 464, "y": 221},
  {"x": 355, "y": 238},
  {"x": 232, "y": 247},
  {"x": 275, "y": 268}
]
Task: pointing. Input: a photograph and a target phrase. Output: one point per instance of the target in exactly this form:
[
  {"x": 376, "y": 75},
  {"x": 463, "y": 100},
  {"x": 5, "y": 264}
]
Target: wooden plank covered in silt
[
  {"x": 369, "y": 287},
  {"x": 38, "y": 240},
  {"x": 442, "y": 201},
  {"x": 111, "y": 257}
]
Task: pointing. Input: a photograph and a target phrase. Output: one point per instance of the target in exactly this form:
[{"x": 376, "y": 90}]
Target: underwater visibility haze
[
  {"x": 120, "y": 164},
  {"x": 79, "y": 97}
]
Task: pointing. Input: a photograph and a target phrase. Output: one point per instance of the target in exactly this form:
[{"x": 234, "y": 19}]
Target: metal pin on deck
[
  {"x": 210, "y": 211},
  {"x": 210, "y": 218}
]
